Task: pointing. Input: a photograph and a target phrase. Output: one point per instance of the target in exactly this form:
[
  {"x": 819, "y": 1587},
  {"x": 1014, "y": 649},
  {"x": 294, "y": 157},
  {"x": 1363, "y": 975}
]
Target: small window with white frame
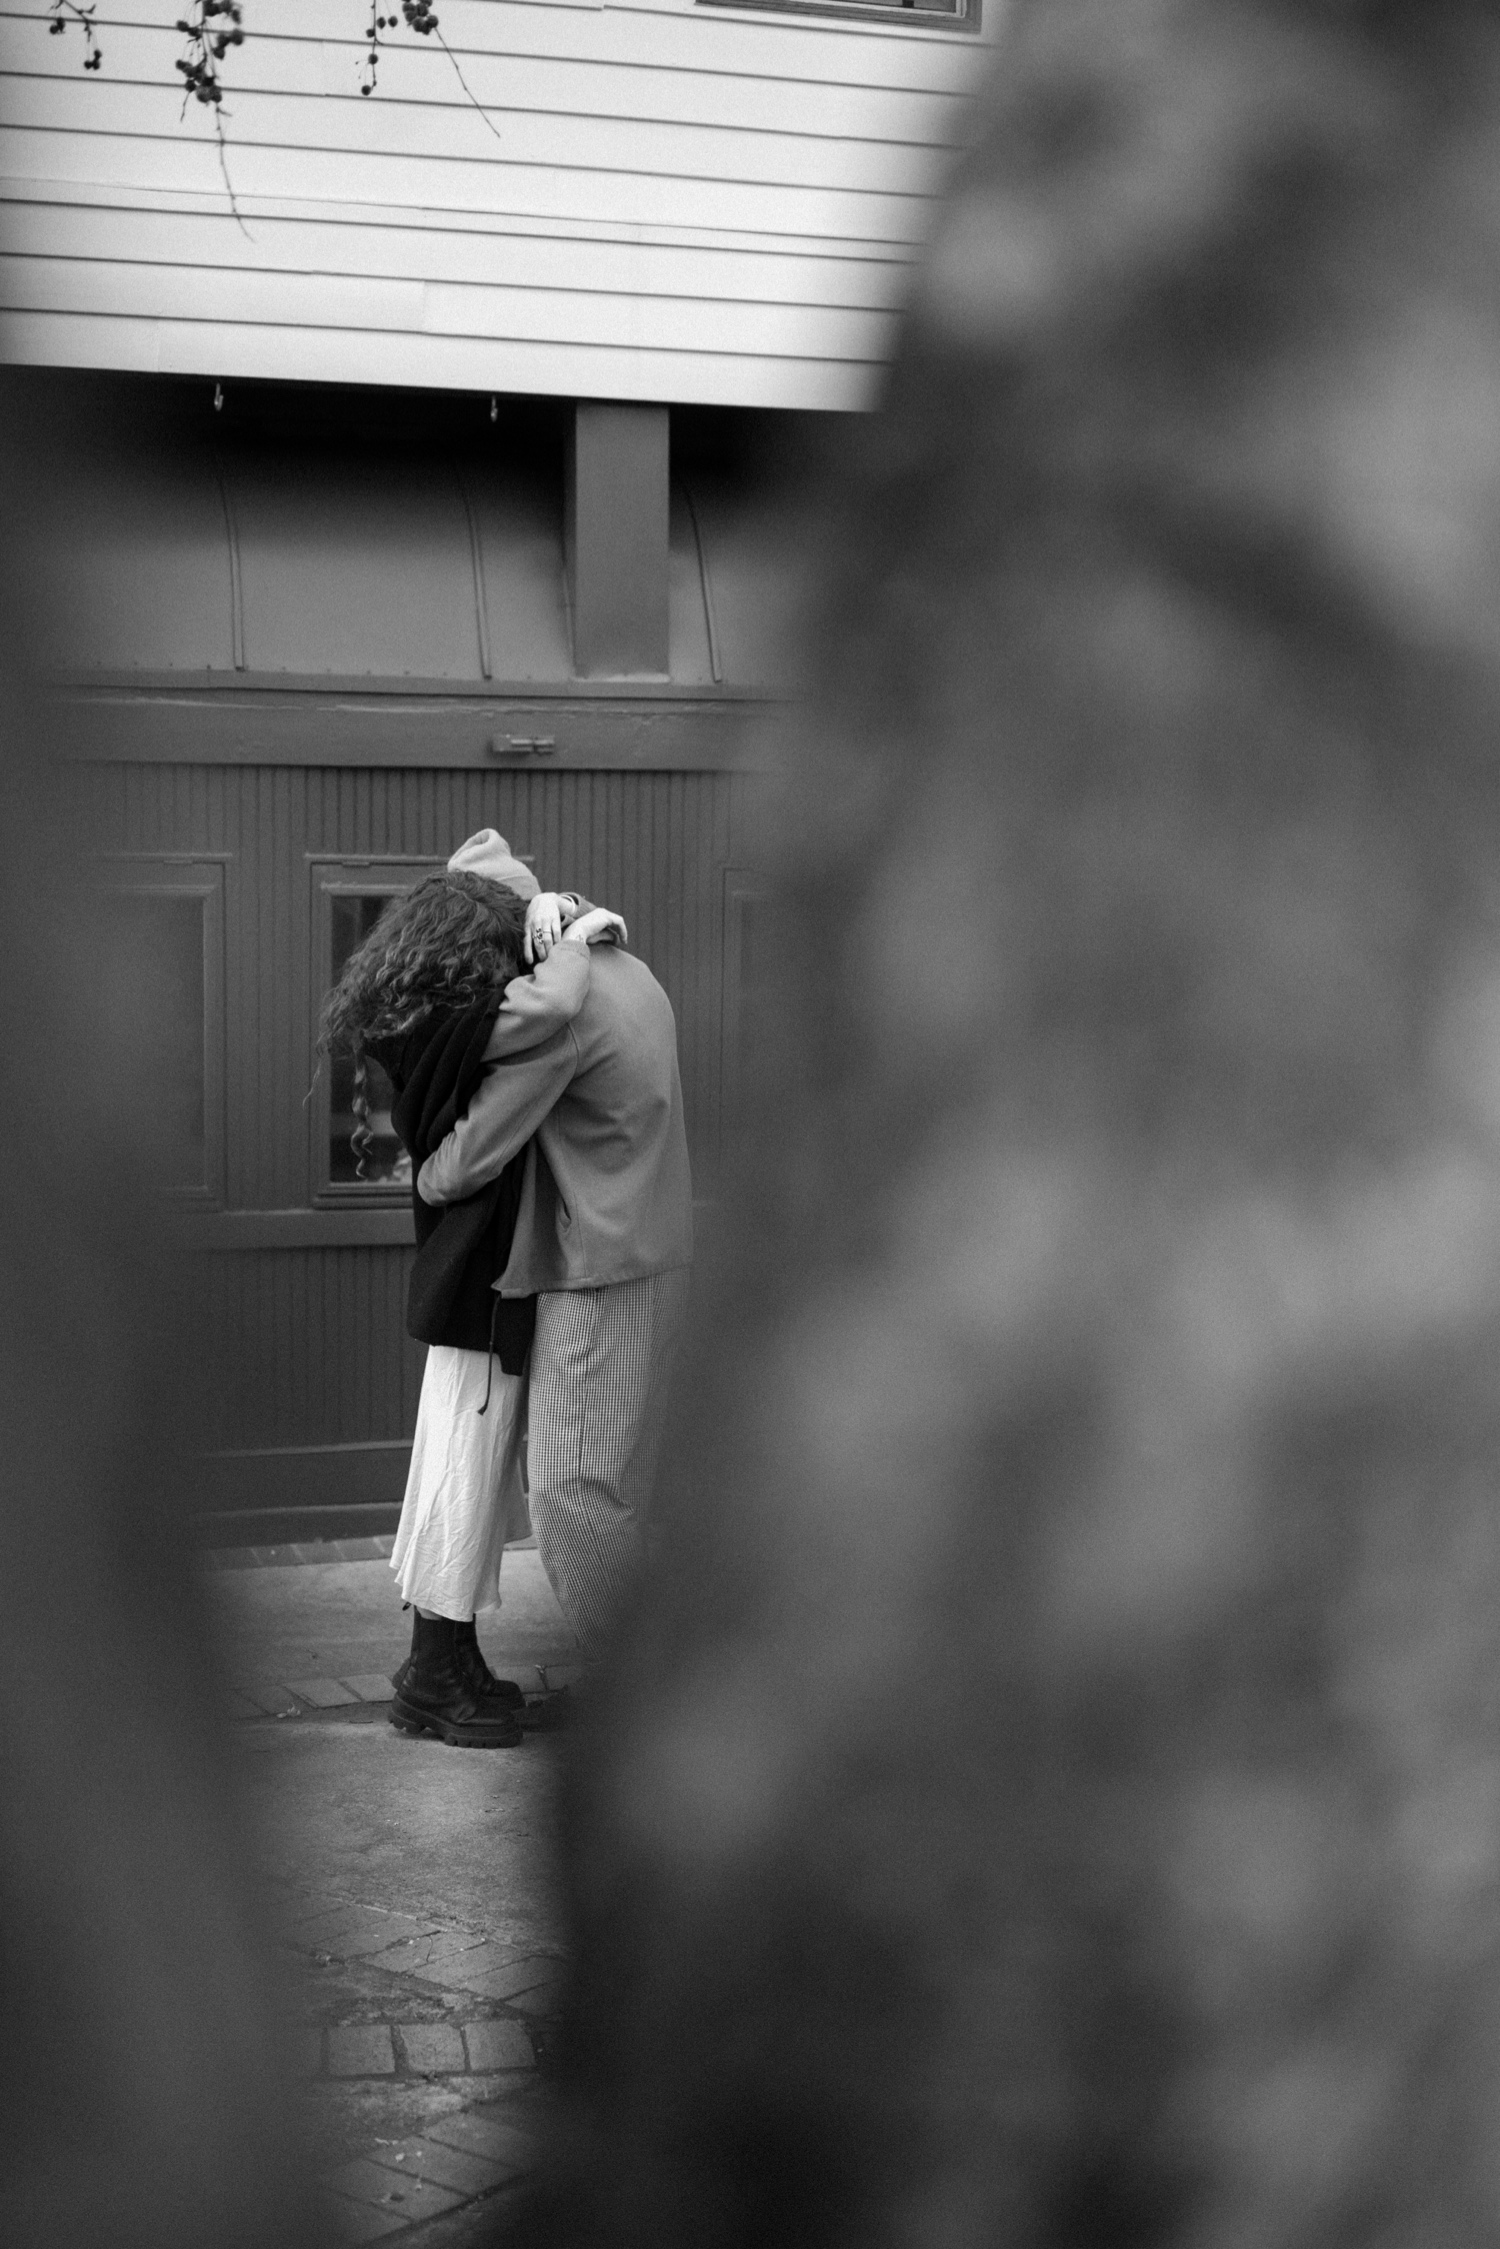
[
  {"x": 348, "y": 898},
  {"x": 951, "y": 15}
]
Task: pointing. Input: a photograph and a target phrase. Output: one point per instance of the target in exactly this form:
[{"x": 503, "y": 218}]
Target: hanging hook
[
  {"x": 218, "y": 398},
  {"x": 494, "y": 409}
]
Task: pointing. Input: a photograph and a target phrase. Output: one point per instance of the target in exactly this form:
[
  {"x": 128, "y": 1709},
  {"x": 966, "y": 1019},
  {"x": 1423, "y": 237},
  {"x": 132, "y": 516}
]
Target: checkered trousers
[{"x": 601, "y": 1366}]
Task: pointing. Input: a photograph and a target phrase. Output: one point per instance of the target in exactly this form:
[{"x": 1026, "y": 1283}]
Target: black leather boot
[
  {"x": 437, "y": 1695},
  {"x": 505, "y": 1692},
  {"x": 470, "y": 1653},
  {"x": 405, "y": 1664}
]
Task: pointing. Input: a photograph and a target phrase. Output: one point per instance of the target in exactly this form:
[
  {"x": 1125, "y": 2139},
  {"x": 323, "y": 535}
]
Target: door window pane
[
  {"x": 386, "y": 1163},
  {"x": 154, "y": 990},
  {"x": 752, "y": 912}
]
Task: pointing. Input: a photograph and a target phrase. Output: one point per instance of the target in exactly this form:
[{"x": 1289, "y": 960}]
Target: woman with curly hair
[{"x": 435, "y": 992}]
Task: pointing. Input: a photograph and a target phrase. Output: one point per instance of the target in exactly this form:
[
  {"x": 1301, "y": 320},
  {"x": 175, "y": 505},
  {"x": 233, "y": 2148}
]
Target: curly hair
[{"x": 453, "y": 941}]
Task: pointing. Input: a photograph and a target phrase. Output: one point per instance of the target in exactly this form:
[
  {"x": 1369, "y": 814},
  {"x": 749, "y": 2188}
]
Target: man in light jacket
[{"x": 604, "y": 1240}]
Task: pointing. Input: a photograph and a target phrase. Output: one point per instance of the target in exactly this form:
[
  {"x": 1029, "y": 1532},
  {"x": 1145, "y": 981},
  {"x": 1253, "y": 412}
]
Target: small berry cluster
[
  {"x": 378, "y": 23},
  {"x": 418, "y": 16},
  {"x": 64, "y": 11},
  {"x": 207, "y": 47},
  {"x": 212, "y": 27}
]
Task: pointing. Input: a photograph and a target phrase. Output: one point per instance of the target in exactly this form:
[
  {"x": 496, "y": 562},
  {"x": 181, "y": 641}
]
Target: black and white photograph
[{"x": 750, "y": 893}]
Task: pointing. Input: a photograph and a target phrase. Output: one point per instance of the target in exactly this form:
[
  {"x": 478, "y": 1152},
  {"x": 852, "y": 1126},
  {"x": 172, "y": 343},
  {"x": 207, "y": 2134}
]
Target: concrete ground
[{"x": 409, "y": 1886}]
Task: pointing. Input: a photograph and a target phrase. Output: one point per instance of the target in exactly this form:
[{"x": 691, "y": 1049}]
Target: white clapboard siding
[
  {"x": 375, "y": 225},
  {"x": 536, "y": 191},
  {"x": 621, "y": 320},
  {"x": 670, "y": 35},
  {"x": 659, "y": 200},
  {"x": 322, "y": 355},
  {"x": 312, "y": 246},
  {"x": 284, "y": 126},
  {"x": 508, "y": 82}
]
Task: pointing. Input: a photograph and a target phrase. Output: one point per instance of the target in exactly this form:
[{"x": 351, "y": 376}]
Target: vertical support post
[{"x": 615, "y": 538}]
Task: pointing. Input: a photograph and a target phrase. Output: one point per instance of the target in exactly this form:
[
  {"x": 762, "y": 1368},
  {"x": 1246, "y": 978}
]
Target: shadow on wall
[
  {"x": 1050, "y": 1793},
  {"x": 137, "y": 2077}
]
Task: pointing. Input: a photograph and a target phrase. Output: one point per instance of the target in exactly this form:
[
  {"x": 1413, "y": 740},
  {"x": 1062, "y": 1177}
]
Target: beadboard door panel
[
  {"x": 314, "y": 1380},
  {"x": 312, "y": 1348},
  {"x": 652, "y": 845}
]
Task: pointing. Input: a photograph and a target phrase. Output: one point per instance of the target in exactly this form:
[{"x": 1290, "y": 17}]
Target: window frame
[
  {"x": 742, "y": 890},
  {"x": 202, "y": 875},
  {"x": 337, "y": 874},
  {"x": 964, "y": 18}
]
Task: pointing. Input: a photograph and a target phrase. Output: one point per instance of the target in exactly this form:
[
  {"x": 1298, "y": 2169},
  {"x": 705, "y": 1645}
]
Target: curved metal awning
[{"x": 173, "y": 555}]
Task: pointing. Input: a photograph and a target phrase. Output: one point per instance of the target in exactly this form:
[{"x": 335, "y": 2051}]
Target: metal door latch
[{"x": 523, "y": 745}]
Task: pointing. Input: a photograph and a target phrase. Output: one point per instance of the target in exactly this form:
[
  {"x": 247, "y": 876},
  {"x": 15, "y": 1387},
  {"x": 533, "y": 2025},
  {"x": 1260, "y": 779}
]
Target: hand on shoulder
[
  {"x": 597, "y": 927},
  {"x": 546, "y": 915}
]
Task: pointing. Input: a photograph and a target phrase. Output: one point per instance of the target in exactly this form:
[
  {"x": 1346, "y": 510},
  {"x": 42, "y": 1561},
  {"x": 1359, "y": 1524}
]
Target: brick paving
[
  {"x": 498, "y": 2045},
  {"x": 482, "y": 2052},
  {"x": 431, "y": 2049},
  {"x": 264, "y": 1698},
  {"x": 396, "y": 2194},
  {"x": 444, "y": 2166},
  {"x": 261, "y": 1698},
  {"x": 409, "y": 1891},
  {"x": 310, "y": 1690},
  {"x": 373, "y": 1549}
]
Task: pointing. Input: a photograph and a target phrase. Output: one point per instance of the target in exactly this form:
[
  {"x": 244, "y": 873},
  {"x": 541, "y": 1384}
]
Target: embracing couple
[{"x": 534, "y": 1065}]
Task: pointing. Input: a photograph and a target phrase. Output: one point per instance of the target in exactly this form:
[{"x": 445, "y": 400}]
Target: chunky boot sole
[
  {"x": 508, "y": 1696},
  {"x": 500, "y": 1732}
]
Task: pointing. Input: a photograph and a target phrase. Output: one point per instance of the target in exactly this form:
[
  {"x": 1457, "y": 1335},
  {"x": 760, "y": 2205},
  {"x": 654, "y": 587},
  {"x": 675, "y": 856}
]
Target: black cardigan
[{"x": 463, "y": 1247}]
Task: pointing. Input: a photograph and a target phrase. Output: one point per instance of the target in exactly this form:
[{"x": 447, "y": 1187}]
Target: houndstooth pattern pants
[{"x": 601, "y": 1366}]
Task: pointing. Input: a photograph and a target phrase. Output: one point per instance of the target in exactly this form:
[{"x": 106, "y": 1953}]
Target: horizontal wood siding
[{"x": 659, "y": 201}]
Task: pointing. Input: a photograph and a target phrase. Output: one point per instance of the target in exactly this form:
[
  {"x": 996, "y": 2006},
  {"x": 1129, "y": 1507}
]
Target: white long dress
[{"x": 464, "y": 1495}]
